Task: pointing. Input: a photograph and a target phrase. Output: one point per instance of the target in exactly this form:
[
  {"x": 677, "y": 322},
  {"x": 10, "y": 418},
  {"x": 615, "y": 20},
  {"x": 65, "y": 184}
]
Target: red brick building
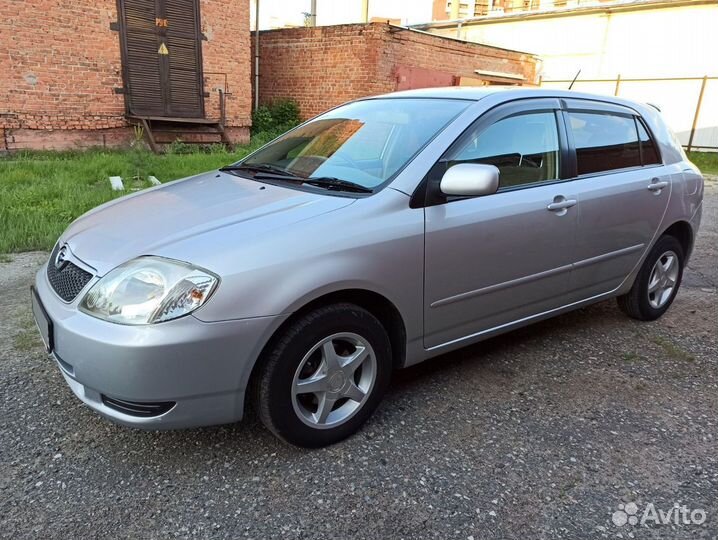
[
  {"x": 325, "y": 66},
  {"x": 75, "y": 74}
]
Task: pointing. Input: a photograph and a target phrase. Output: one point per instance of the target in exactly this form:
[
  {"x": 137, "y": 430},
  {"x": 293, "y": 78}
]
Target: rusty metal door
[
  {"x": 410, "y": 78},
  {"x": 161, "y": 57}
]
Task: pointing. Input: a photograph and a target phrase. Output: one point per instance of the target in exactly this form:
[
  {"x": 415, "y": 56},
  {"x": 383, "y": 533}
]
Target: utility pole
[
  {"x": 365, "y": 11},
  {"x": 313, "y": 13}
]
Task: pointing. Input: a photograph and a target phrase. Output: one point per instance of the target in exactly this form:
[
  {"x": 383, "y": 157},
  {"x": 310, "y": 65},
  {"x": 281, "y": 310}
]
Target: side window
[
  {"x": 648, "y": 146},
  {"x": 604, "y": 141},
  {"x": 524, "y": 148}
]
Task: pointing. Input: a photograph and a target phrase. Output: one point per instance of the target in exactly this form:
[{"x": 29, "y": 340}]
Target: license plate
[{"x": 44, "y": 324}]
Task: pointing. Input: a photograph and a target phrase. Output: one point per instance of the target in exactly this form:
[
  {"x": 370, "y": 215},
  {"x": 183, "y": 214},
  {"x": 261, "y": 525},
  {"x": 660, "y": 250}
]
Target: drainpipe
[
  {"x": 365, "y": 11},
  {"x": 256, "y": 56}
]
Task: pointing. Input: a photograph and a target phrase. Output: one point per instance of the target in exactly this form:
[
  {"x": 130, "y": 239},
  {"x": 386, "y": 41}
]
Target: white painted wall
[
  {"x": 677, "y": 41},
  {"x": 280, "y": 13},
  {"x": 349, "y": 11}
]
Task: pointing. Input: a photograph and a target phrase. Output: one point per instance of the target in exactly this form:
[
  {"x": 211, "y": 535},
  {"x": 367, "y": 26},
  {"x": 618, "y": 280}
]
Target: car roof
[{"x": 476, "y": 93}]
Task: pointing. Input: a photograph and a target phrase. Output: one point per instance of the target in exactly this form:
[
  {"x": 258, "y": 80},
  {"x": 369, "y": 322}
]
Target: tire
[
  {"x": 302, "y": 355},
  {"x": 639, "y": 303}
]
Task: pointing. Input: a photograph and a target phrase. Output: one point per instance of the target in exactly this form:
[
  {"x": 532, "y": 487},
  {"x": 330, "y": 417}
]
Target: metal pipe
[
  {"x": 256, "y": 55},
  {"x": 698, "y": 112},
  {"x": 634, "y": 79}
]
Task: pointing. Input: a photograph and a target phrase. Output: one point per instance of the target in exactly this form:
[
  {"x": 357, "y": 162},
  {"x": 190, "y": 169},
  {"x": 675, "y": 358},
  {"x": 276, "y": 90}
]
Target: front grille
[
  {"x": 69, "y": 280},
  {"x": 138, "y": 408}
]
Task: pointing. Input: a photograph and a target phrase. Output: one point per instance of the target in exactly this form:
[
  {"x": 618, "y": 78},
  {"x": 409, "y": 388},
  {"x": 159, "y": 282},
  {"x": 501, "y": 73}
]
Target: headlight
[{"x": 149, "y": 290}]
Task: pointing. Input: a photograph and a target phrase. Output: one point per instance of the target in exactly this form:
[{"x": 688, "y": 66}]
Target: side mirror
[{"x": 470, "y": 179}]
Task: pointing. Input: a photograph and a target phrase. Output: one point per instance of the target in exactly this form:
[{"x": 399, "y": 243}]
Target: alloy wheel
[
  {"x": 334, "y": 380},
  {"x": 662, "y": 281}
]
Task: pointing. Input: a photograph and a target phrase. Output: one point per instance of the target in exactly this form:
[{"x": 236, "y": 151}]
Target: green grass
[
  {"x": 27, "y": 338},
  {"x": 671, "y": 349},
  {"x": 631, "y": 357},
  {"x": 42, "y": 192},
  {"x": 707, "y": 162}
]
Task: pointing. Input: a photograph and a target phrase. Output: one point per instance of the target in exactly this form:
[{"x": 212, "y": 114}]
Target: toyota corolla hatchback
[{"x": 384, "y": 232}]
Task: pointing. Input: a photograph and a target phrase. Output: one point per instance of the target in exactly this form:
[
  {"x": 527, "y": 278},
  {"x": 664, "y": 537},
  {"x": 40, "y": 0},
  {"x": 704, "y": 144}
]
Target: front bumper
[{"x": 203, "y": 368}]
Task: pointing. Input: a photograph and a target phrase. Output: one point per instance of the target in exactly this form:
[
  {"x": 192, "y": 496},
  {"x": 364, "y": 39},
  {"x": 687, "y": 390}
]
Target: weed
[{"x": 671, "y": 349}]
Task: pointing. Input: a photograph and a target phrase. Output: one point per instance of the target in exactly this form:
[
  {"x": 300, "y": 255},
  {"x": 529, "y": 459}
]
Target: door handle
[
  {"x": 656, "y": 185},
  {"x": 560, "y": 204}
]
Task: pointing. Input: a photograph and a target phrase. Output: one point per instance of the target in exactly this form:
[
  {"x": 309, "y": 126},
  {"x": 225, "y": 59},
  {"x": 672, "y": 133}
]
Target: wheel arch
[
  {"x": 375, "y": 303},
  {"x": 683, "y": 232}
]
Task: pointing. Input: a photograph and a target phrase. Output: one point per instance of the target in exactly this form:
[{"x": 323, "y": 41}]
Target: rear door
[
  {"x": 623, "y": 191},
  {"x": 503, "y": 257}
]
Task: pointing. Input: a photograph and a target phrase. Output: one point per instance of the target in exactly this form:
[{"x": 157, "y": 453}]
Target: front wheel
[
  {"x": 657, "y": 281},
  {"x": 324, "y": 376}
]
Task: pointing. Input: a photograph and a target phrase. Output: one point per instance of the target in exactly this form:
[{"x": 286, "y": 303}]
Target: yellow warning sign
[{"x": 163, "y": 49}]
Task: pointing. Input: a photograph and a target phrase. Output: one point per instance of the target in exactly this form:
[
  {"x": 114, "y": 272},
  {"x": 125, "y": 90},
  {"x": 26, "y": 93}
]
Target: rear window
[{"x": 604, "y": 141}]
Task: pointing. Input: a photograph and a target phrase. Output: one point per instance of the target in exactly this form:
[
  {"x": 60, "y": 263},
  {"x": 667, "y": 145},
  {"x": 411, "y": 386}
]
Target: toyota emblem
[{"x": 61, "y": 257}]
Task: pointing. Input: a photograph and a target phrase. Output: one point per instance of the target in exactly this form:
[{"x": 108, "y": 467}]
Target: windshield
[{"x": 365, "y": 142}]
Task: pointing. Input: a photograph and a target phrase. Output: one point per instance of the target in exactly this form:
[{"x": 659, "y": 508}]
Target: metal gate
[{"x": 162, "y": 57}]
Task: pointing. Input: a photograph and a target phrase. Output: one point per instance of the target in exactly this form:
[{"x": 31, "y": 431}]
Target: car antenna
[{"x": 574, "y": 79}]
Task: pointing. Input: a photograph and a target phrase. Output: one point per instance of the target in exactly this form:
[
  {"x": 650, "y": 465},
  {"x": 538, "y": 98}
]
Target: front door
[
  {"x": 493, "y": 260},
  {"x": 161, "y": 56}
]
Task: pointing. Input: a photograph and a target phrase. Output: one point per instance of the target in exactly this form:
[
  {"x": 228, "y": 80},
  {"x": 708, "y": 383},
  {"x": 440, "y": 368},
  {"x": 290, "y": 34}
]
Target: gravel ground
[{"x": 538, "y": 434}]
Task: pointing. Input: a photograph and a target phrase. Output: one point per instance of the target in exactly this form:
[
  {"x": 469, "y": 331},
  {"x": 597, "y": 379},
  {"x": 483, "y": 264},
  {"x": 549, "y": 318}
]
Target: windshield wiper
[
  {"x": 330, "y": 182},
  {"x": 260, "y": 169},
  {"x": 326, "y": 182},
  {"x": 266, "y": 171}
]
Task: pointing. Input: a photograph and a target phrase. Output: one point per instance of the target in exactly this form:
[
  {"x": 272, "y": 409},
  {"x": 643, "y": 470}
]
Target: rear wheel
[
  {"x": 657, "y": 281},
  {"x": 324, "y": 376}
]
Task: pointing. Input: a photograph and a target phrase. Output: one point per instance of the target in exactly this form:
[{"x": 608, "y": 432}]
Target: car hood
[{"x": 152, "y": 221}]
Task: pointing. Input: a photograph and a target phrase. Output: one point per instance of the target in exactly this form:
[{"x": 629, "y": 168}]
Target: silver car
[{"x": 380, "y": 234}]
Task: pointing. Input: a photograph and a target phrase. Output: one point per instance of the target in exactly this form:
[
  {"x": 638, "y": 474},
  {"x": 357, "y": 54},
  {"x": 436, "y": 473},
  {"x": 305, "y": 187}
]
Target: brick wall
[
  {"x": 325, "y": 66},
  {"x": 60, "y": 64},
  {"x": 460, "y": 58},
  {"x": 319, "y": 67},
  {"x": 225, "y": 24}
]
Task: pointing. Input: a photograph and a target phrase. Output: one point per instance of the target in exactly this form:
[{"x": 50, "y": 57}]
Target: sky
[{"x": 278, "y": 13}]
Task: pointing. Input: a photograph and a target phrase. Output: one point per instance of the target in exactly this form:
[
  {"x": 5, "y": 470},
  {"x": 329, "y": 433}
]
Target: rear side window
[
  {"x": 604, "y": 141},
  {"x": 649, "y": 154}
]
